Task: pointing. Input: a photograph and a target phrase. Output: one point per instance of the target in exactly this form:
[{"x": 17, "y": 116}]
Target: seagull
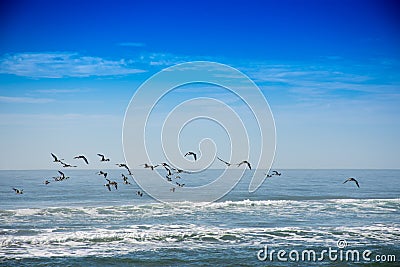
[
  {"x": 351, "y": 179},
  {"x": 55, "y": 158},
  {"x": 61, "y": 177},
  {"x": 191, "y": 153},
  {"x": 165, "y": 165},
  {"x": 268, "y": 175},
  {"x": 108, "y": 186},
  {"x": 123, "y": 165},
  {"x": 125, "y": 179},
  {"x": 18, "y": 191},
  {"x": 139, "y": 193},
  {"x": 147, "y": 166},
  {"x": 276, "y": 173},
  {"x": 180, "y": 171},
  {"x": 102, "y": 173},
  {"x": 244, "y": 162},
  {"x": 180, "y": 185},
  {"x": 114, "y": 183},
  {"x": 172, "y": 189},
  {"x": 227, "y": 163},
  {"x": 66, "y": 165},
  {"x": 82, "y": 157},
  {"x": 46, "y": 182},
  {"x": 103, "y": 158},
  {"x": 168, "y": 170}
]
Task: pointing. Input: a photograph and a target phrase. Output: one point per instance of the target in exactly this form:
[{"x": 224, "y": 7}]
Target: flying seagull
[
  {"x": 102, "y": 173},
  {"x": 103, "y": 158},
  {"x": 180, "y": 185},
  {"x": 276, "y": 173},
  {"x": 147, "y": 166},
  {"x": 244, "y": 162},
  {"x": 108, "y": 187},
  {"x": 180, "y": 171},
  {"x": 61, "y": 177},
  {"x": 18, "y": 191},
  {"x": 123, "y": 165},
  {"x": 114, "y": 183},
  {"x": 139, "y": 193},
  {"x": 227, "y": 163},
  {"x": 351, "y": 179},
  {"x": 268, "y": 175},
  {"x": 55, "y": 158},
  {"x": 164, "y": 164},
  {"x": 82, "y": 157},
  {"x": 66, "y": 165},
  {"x": 125, "y": 179},
  {"x": 191, "y": 153},
  {"x": 168, "y": 170}
]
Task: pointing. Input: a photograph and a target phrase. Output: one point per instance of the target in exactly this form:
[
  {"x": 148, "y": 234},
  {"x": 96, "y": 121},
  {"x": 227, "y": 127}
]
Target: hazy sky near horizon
[{"x": 330, "y": 71}]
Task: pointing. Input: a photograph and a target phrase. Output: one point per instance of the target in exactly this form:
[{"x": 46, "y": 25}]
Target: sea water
[{"x": 78, "y": 222}]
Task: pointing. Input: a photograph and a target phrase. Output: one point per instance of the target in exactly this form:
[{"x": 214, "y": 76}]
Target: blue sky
[{"x": 330, "y": 71}]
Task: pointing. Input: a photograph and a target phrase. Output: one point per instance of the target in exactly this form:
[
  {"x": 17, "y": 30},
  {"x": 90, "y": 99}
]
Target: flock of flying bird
[{"x": 171, "y": 172}]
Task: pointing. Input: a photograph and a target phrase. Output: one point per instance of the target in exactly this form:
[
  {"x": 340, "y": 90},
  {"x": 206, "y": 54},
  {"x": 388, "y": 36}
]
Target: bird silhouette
[
  {"x": 82, "y": 157},
  {"x": 276, "y": 173},
  {"x": 55, "y": 158},
  {"x": 102, "y": 173},
  {"x": 66, "y": 165},
  {"x": 103, "y": 158},
  {"x": 351, "y": 179},
  {"x": 192, "y": 154},
  {"x": 227, "y": 163},
  {"x": 148, "y": 166},
  {"x": 112, "y": 183},
  {"x": 18, "y": 191},
  {"x": 244, "y": 162}
]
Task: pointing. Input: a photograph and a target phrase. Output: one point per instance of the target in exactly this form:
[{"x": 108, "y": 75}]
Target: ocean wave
[
  {"x": 162, "y": 209},
  {"x": 145, "y": 237}
]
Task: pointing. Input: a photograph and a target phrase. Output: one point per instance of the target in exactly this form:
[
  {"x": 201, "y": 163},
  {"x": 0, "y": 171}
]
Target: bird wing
[
  {"x": 195, "y": 156},
  {"x": 357, "y": 183},
  {"x": 109, "y": 181},
  {"x": 85, "y": 159},
  {"x": 54, "y": 156},
  {"x": 248, "y": 164},
  {"x": 240, "y": 163},
  {"x": 227, "y": 163},
  {"x": 108, "y": 186},
  {"x": 187, "y": 153},
  {"x": 61, "y": 173}
]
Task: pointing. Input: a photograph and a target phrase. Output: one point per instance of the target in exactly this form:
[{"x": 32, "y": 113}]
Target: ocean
[{"x": 78, "y": 222}]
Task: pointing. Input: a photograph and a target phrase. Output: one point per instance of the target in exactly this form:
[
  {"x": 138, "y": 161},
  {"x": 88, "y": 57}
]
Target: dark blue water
[{"x": 78, "y": 222}]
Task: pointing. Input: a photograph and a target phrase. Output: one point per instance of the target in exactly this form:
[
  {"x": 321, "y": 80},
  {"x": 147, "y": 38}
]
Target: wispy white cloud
[
  {"x": 25, "y": 100},
  {"x": 63, "y": 64},
  {"x": 132, "y": 44},
  {"x": 60, "y": 91},
  {"x": 163, "y": 59}
]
